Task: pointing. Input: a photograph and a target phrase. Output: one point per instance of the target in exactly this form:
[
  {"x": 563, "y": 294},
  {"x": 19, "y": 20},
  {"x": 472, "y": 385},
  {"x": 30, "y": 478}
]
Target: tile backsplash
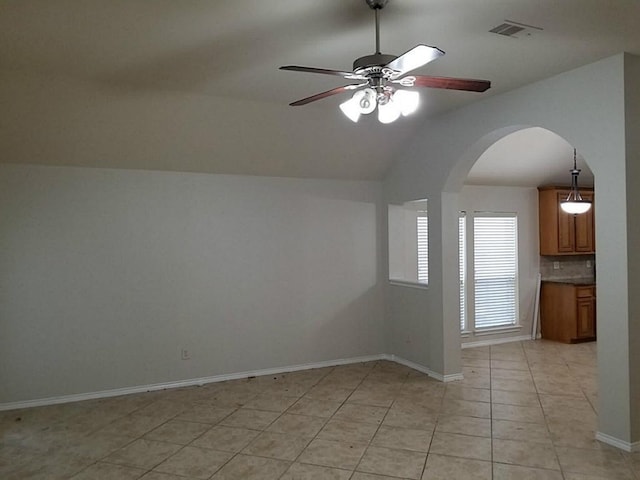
[{"x": 570, "y": 267}]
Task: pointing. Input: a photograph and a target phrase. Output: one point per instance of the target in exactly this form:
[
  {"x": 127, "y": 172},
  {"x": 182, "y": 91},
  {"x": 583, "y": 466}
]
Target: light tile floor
[{"x": 525, "y": 410}]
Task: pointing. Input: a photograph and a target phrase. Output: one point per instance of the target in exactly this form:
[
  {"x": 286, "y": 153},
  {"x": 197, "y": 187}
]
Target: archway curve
[
  {"x": 548, "y": 163},
  {"x": 460, "y": 170}
]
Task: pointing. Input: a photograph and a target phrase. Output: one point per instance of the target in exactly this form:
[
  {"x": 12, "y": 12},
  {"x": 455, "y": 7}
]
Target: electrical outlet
[
  {"x": 588, "y": 263},
  {"x": 556, "y": 265},
  {"x": 185, "y": 354}
]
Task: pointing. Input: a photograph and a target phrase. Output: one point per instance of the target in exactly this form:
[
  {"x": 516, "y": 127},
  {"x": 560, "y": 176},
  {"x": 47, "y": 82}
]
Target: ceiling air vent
[{"x": 515, "y": 29}]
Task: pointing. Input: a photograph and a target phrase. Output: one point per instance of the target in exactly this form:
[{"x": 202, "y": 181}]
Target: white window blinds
[
  {"x": 462, "y": 263},
  {"x": 495, "y": 270},
  {"x": 422, "y": 225}
]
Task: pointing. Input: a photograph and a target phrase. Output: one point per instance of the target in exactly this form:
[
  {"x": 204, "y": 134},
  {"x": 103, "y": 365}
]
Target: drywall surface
[
  {"x": 586, "y": 107},
  {"x": 632, "y": 137},
  {"x": 524, "y": 203},
  {"x": 106, "y": 275},
  {"x": 412, "y": 336}
]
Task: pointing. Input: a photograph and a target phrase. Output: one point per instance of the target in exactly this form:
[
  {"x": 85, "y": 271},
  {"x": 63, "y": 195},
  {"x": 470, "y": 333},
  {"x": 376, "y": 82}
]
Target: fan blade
[
  {"x": 416, "y": 57},
  {"x": 328, "y": 93},
  {"x": 468, "y": 84},
  {"x": 324, "y": 71}
]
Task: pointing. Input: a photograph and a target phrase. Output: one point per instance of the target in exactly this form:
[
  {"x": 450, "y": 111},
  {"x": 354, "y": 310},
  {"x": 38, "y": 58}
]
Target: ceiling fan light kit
[
  {"x": 390, "y": 107},
  {"x": 381, "y": 74}
]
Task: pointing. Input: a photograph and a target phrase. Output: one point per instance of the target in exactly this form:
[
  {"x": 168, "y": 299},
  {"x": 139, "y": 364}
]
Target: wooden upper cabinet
[
  {"x": 584, "y": 228},
  {"x": 566, "y": 226},
  {"x": 562, "y": 233}
]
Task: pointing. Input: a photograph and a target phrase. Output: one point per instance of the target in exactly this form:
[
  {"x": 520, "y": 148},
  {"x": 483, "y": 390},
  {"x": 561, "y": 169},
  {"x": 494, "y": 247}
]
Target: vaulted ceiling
[{"x": 194, "y": 85}]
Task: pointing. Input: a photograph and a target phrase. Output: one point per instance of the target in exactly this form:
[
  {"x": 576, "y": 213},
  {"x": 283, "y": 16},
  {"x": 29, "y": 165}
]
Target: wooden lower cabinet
[{"x": 568, "y": 312}]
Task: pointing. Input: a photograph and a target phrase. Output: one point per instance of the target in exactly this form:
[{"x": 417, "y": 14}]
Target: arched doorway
[
  {"x": 586, "y": 382},
  {"x": 503, "y": 183},
  {"x": 536, "y": 377}
]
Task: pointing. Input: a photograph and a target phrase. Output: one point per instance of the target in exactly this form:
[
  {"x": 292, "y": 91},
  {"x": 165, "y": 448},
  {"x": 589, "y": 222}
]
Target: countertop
[{"x": 572, "y": 281}]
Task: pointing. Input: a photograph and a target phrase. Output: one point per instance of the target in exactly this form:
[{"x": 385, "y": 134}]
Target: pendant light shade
[
  {"x": 574, "y": 203},
  {"x": 575, "y": 207}
]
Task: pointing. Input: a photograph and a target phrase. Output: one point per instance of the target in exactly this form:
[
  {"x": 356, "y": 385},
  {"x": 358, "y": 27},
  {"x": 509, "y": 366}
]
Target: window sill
[
  {"x": 496, "y": 330},
  {"x": 404, "y": 283}
]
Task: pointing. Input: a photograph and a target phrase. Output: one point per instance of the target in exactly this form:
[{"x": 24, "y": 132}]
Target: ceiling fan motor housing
[
  {"x": 376, "y": 4},
  {"x": 372, "y": 64}
]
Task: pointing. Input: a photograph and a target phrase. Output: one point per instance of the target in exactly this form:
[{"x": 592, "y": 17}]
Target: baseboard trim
[
  {"x": 186, "y": 383},
  {"x": 495, "y": 341},
  {"x": 453, "y": 377},
  {"x": 425, "y": 370},
  {"x": 616, "y": 442},
  {"x": 40, "y": 402}
]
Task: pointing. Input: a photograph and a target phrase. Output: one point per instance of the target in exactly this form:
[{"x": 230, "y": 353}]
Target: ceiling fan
[{"x": 381, "y": 75}]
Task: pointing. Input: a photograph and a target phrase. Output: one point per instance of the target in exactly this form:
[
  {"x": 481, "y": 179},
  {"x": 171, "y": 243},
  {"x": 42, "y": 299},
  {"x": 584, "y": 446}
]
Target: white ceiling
[{"x": 194, "y": 85}]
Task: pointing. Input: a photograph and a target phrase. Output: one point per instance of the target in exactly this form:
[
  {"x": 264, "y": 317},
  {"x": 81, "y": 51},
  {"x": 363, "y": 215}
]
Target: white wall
[
  {"x": 632, "y": 138},
  {"x": 106, "y": 274},
  {"x": 523, "y": 202}
]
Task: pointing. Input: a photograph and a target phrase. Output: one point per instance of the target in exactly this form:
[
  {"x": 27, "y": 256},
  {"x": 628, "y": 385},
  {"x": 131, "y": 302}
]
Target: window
[
  {"x": 422, "y": 227},
  {"x": 462, "y": 263},
  {"x": 495, "y": 267},
  {"x": 409, "y": 243}
]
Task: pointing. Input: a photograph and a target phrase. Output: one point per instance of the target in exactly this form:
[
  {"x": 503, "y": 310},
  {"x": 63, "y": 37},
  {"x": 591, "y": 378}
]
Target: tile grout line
[
  {"x": 315, "y": 437},
  {"x": 378, "y": 427},
  {"x": 544, "y": 416},
  {"x": 286, "y": 410}
]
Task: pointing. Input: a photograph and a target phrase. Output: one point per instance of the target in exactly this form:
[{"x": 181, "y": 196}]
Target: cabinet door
[
  {"x": 585, "y": 317},
  {"x": 584, "y": 229},
  {"x": 566, "y": 226},
  {"x": 548, "y": 222}
]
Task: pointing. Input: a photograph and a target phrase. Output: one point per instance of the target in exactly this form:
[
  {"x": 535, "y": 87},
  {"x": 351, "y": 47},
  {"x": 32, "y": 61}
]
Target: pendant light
[{"x": 574, "y": 203}]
